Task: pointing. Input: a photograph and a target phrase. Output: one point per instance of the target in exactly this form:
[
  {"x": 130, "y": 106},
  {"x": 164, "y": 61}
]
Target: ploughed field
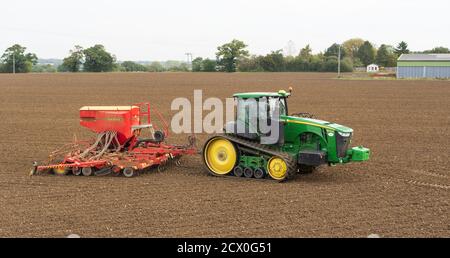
[{"x": 403, "y": 190}]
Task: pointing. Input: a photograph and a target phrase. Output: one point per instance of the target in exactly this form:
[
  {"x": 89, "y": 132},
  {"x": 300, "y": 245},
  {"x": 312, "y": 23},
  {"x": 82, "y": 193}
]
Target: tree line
[
  {"x": 230, "y": 57},
  {"x": 354, "y": 52},
  {"x": 92, "y": 59}
]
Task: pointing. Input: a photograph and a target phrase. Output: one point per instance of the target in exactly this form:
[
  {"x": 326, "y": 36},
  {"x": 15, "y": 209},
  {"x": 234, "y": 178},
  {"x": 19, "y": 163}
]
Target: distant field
[{"x": 402, "y": 191}]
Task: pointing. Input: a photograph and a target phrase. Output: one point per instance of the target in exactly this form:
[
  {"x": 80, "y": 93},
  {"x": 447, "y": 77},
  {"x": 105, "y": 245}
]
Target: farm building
[
  {"x": 373, "y": 68},
  {"x": 423, "y": 66}
]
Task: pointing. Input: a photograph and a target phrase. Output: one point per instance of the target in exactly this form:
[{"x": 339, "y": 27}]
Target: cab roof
[{"x": 248, "y": 95}]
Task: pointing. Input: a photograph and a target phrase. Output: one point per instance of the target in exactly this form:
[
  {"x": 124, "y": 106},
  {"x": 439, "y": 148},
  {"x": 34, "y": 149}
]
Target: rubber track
[{"x": 266, "y": 149}]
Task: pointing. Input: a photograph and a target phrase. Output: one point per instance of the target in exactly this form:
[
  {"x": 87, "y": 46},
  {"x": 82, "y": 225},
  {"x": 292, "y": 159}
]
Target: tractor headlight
[
  {"x": 344, "y": 134},
  {"x": 342, "y": 142}
]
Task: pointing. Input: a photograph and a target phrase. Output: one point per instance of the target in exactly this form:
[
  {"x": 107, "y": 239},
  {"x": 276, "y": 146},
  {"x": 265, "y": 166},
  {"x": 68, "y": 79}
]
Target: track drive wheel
[
  {"x": 238, "y": 171},
  {"x": 259, "y": 173},
  {"x": 277, "y": 168},
  {"x": 248, "y": 172},
  {"x": 220, "y": 155}
]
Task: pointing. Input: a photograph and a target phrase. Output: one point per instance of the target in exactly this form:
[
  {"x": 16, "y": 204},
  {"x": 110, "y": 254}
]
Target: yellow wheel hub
[
  {"x": 277, "y": 168},
  {"x": 220, "y": 156}
]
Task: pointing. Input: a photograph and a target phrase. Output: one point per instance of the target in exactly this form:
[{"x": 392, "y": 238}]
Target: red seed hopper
[{"x": 127, "y": 142}]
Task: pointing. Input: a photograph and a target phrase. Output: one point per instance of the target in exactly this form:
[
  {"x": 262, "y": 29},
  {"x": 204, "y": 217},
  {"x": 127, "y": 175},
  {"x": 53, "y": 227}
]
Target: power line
[{"x": 290, "y": 49}]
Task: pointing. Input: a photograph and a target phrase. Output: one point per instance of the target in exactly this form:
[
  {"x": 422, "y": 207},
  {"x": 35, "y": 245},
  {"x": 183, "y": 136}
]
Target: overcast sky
[{"x": 167, "y": 29}]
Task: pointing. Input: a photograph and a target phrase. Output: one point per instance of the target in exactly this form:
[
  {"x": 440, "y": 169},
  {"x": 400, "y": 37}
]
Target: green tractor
[{"x": 300, "y": 145}]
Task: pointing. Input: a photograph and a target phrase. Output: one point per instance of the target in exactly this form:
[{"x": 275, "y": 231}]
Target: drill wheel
[
  {"x": 76, "y": 171},
  {"x": 87, "y": 171},
  {"x": 129, "y": 172}
]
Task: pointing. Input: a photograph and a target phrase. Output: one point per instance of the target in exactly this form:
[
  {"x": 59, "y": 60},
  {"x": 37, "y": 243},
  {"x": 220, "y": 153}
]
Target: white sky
[{"x": 167, "y": 29}]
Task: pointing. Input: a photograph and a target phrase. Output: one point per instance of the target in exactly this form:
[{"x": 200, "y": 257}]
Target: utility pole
[
  {"x": 290, "y": 49},
  {"x": 14, "y": 64},
  {"x": 339, "y": 61},
  {"x": 189, "y": 59}
]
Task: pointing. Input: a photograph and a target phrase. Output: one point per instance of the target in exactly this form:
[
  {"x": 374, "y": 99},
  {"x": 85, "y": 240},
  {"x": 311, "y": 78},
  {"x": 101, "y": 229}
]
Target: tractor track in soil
[{"x": 402, "y": 191}]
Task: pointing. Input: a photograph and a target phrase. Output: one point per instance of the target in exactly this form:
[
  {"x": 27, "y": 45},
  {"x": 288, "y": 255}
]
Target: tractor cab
[{"x": 258, "y": 116}]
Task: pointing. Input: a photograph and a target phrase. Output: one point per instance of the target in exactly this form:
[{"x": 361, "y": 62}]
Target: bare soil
[{"x": 402, "y": 191}]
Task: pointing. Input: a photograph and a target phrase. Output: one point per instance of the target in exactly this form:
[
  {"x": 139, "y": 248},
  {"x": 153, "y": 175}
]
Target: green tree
[
  {"x": 329, "y": 65},
  {"x": 209, "y": 65},
  {"x": 197, "y": 64},
  {"x": 273, "y": 62},
  {"x": 357, "y": 62},
  {"x": 333, "y": 50},
  {"x": 316, "y": 62},
  {"x": 250, "y": 64},
  {"x": 402, "y": 48},
  {"x": 437, "y": 50},
  {"x": 181, "y": 67},
  {"x": 347, "y": 65},
  {"x": 366, "y": 53},
  {"x": 97, "y": 59},
  {"x": 297, "y": 64},
  {"x": 155, "y": 67},
  {"x": 43, "y": 68},
  {"x": 73, "y": 62},
  {"x": 306, "y": 52},
  {"x": 230, "y": 53},
  {"x": 352, "y": 46},
  {"x": 129, "y": 66},
  {"x": 16, "y": 56},
  {"x": 386, "y": 56}
]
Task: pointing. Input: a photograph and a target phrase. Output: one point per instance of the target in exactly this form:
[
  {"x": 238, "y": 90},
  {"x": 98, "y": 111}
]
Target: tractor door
[
  {"x": 246, "y": 118},
  {"x": 260, "y": 119},
  {"x": 276, "y": 107}
]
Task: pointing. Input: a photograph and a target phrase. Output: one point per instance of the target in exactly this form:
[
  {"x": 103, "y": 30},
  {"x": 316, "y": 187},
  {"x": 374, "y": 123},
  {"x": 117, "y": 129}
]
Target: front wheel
[
  {"x": 220, "y": 155},
  {"x": 277, "y": 168}
]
